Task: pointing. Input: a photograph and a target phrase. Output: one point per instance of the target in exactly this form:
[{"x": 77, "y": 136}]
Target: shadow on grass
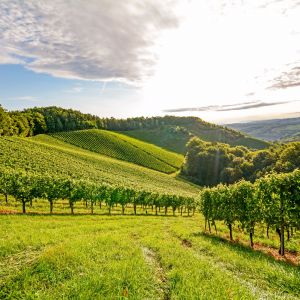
[
  {"x": 245, "y": 250},
  {"x": 80, "y": 214}
]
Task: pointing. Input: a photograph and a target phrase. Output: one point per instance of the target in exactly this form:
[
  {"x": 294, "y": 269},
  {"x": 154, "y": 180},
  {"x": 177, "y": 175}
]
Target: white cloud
[
  {"x": 223, "y": 52},
  {"x": 94, "y": 39},
  {"x": 227, "y": 52}
]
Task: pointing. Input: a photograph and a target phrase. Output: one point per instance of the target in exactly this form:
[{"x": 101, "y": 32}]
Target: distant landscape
[{"x": 271, "y": 130}]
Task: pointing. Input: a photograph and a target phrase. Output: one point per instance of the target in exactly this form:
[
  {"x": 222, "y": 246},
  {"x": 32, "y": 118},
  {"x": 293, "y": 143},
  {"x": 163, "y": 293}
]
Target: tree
[
  {"x": 52, "y": 188},
  {"x": 75, "y": 191},
  {"x": 228, "y": 206},
  {"x": 24, "y": 187},
  {"x": 5, "y": 182},
  {"x": 248, "y": 206},
  {"x": 6, "y": 123},
  {"x": 279, "y": 194},
  {"x": 113, "y": 198}
]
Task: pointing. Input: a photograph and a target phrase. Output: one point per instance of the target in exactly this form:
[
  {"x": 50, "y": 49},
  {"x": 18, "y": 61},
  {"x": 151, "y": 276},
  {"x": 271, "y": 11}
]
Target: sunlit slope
[
  {"x": 44, "y": 153},
  {"x": 175, "y": 137},
  {"x": 122, "y": 147}
]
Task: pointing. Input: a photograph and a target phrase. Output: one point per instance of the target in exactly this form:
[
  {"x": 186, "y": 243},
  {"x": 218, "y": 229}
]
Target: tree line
[
  {"x": 273, "y": 200},
  {"x": 208, "y": 163},
  {"x": 27, "y": 186},
  {"x": 51, "y": 119}
]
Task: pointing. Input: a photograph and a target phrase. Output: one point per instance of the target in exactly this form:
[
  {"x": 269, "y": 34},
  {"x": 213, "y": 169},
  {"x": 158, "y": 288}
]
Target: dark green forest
[
  {"x": 212, "y": 163},
  {"x": 55, "y": 119}
]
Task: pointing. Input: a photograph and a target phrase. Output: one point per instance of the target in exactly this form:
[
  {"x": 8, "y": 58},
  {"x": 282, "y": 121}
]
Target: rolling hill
[
  {"x": 122, "y": 147},
  {"x": 175, "y": 137},
  {"x": 46, "y": 154},
  {"x": 169, "y": 132},
  {"x": 271, "y": 130}
]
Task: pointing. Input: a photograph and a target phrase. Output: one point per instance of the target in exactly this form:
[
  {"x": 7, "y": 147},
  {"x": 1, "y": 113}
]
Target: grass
[
  {"x": 175, "y": 138},
  {"x": 47, "y": 154},
  {"x": 165, "y": 136},
  {"x": 133, "y": 257},
  {"x": 122, "y": 147}
]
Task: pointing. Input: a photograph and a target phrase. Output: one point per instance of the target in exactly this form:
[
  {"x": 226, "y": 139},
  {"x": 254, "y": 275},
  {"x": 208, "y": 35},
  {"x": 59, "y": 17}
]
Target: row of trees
[
  {"x": 273, "y": 200},
  {"x": 25, "y": 187},
  {"x": 209, "y": 163},
  {"x": 55, "y": 119}
]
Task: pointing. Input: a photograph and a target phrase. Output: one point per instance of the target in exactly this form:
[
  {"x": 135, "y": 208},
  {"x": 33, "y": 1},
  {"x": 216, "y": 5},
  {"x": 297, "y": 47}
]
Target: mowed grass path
[{"x": 134, "y": 257}]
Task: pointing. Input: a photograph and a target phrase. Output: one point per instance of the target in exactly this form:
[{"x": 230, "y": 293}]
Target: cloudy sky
[{"x": 220, "y": 60}]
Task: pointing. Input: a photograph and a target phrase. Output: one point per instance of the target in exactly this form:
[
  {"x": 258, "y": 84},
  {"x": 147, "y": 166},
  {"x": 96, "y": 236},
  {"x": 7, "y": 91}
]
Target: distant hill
[
  {"x": 169, "y": 132},
  {"x": 271, "y": 130},
  {"x": 175, "y": 137},
  {"x": 293, "y": 138},
  {"x": 122, "y": 147}
]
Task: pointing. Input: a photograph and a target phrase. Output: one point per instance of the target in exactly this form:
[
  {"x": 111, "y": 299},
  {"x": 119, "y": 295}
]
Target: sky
[{"x": 223, "y": 61}]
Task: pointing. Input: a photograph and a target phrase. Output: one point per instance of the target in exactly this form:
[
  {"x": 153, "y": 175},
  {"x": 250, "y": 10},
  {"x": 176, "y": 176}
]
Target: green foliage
[
  {"x": 6, "y": 123},
  {"x": 120, "y": 146},
  {"x": 46, "y": 155},
  {"x": 273, "y": 200},
  {"x": 169, "y": 132},
  {"x": 167, "y": 137},
  {"x": 26, "y": 186},
  {"x": 175, "y": 137},
  {"x": 212, "y": 163}
]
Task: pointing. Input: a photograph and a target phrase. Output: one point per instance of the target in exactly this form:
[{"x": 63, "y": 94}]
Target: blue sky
[
  {"x": 220, "y": 60},
  {"x": 22, "y": 88}
]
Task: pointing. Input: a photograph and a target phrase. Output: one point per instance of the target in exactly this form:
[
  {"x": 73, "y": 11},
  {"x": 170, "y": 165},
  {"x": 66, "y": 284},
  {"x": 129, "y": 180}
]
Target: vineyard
[
  {"x": 99, "y": 227},
  {"x": 25, "y": 187},
  {"x": 122, "y": 147},
  {"x": 272, "y": 201},
  {"x": 45, "y": 154}
]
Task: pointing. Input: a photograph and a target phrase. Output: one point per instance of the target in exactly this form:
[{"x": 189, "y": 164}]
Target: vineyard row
[
  {"x": 26, "y": 186},
  {"x": 273, "y": 200}
]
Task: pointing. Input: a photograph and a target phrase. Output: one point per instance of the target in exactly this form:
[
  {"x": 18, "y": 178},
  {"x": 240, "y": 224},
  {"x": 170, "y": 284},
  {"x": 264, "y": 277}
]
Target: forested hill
[{"x": 170, "y": 132}]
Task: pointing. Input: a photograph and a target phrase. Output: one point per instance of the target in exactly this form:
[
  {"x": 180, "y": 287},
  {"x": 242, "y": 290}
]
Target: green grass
[
  {"x": 175, "y": 138},
  {"x": 122, "y": 147},
  {"x": 165, "y": 136},
  {"x": 44, "y": 153},
  {"x": 128, "y": 257}
]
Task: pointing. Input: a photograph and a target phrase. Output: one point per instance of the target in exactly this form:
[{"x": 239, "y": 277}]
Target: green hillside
[
  {"x": 44, "y": 153},
  {"x": 175, "y": 137},
  {"x": 122, "y": 147},
  {"x": 169, "y": 132}
]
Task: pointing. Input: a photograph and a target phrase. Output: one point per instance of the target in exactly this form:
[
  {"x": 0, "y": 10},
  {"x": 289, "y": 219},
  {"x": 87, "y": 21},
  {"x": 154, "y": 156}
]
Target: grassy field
[
  {"x": 123, "y": 147},
  {"x": 47, "y": 154},
  {"x": 132, "y": 257},
  {"x": 166, "y": 137},
  {"x": 175, "y": 138}
]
